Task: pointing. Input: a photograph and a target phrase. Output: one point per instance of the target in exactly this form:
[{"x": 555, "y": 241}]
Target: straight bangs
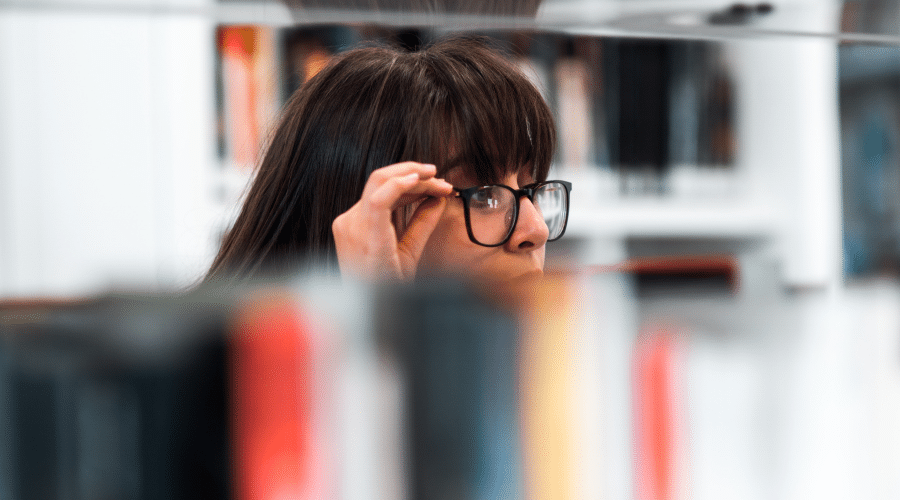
[{"x": 478, "y": 112}]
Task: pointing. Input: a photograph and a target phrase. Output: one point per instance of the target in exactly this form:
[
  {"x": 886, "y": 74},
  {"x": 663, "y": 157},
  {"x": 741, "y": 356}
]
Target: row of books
[
  {"x": 635, "y": 108},
  {"x": 320, "y": 389},
  {"x": 304, "y": 390},
  {"x": 312, "y": 390}
]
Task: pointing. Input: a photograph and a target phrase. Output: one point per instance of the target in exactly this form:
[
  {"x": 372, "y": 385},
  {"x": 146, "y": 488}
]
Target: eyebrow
[
  {"x": 458, "y": 171},
  {"x": 454, "y": 162}
]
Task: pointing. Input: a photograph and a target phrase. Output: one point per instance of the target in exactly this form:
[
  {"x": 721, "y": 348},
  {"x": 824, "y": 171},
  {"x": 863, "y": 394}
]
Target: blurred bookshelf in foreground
[{"x": 583, "y": 387}]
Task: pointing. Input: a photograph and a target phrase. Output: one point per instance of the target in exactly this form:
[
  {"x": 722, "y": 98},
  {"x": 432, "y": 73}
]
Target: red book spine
[
  {"x": 655, "y": 415},
  {"x": 273, "y": 391}
]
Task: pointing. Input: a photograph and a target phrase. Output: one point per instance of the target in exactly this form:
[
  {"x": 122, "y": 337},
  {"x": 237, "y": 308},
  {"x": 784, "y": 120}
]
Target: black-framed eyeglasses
[{"x": 492, "y": 211}]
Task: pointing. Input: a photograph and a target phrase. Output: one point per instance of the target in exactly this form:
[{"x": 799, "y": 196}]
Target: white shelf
[
  {"x": 700, "y": 203},
  {"x": 671, "y": 218},
  {"x": 265, "y": 13}
]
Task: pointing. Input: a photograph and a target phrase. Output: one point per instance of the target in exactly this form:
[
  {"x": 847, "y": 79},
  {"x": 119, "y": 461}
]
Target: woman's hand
[{"x": 365, "y": 237}]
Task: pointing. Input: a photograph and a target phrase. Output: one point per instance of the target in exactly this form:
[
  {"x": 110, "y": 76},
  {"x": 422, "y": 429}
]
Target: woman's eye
[{"x": 485, "y": 201}]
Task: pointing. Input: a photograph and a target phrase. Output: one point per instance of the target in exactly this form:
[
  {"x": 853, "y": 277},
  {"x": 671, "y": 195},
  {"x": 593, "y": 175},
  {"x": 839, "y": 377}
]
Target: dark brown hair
[{"x": 457, "y": 102}]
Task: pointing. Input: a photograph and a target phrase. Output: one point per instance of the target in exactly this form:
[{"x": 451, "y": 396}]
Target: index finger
[
  {"x": 406, "y": 189},
  {"x": 381, "y": 175}
]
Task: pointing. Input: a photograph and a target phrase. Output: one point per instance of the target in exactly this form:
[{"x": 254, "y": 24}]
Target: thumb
[{"x": 419, "y": 230}]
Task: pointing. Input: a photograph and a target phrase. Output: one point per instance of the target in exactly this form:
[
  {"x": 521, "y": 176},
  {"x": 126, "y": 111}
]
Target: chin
[
  {"x": 513, "y": 291},
  {"x": 533, "y": 274}
]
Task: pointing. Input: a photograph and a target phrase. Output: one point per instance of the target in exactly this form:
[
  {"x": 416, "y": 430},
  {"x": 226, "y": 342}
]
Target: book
[
  {"x": 249, "y": 104},
  {"x": 655, "y": 416},
  {"x": 279, "y": 450}
]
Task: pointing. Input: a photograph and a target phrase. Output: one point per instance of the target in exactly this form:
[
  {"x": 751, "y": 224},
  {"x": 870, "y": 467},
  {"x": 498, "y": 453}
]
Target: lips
[{"x": 515, "y": 277}]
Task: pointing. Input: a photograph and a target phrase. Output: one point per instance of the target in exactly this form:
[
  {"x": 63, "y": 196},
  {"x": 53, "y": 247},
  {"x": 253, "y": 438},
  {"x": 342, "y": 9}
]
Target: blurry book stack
[
  {"x": 313, "y": 390},
  {"x": 321, "y": 389}
]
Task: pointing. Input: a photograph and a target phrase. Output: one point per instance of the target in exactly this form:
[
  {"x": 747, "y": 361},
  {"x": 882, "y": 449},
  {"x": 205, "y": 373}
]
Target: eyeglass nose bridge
[{"x": 527, "y": 192}]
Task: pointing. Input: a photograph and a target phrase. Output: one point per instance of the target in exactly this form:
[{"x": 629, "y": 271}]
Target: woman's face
[{"x": 450, "y": 251}]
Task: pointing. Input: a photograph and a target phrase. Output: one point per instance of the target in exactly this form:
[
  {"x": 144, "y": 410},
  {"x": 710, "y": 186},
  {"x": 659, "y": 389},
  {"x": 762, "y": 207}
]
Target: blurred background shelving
[
  {"x": 645, "y": 157},
  {"x": 664, "y": 138}
]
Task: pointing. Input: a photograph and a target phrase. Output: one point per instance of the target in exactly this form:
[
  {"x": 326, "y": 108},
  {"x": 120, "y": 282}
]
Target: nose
[{"x": 531, "y": 231}]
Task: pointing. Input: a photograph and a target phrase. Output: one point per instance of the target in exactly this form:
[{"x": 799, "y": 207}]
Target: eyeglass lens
[
  {"x": 552, "y": 202},
  {"x": 492, "y": 211}
]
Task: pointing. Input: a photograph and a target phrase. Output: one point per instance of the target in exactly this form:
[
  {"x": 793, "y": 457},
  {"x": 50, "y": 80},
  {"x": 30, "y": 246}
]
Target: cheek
[{"x": 449, "y": 249}]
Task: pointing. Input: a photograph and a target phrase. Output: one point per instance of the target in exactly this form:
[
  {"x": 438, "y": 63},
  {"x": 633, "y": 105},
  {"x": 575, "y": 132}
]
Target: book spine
[
  {"x": 575, "y": 124},
  {"x": 250, "y": 87},
  {"x": 655, "y": 416},
  {"x": 547, "y": 389},
  {"x": 276, "y": 451}
]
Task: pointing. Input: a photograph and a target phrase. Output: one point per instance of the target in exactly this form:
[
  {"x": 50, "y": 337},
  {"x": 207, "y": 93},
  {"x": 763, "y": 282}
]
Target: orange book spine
[
  {"x": 546, "y": 380},
  {"x": 238, "y": 46}
]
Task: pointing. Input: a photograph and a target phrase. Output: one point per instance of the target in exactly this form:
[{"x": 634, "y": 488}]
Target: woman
[{"x": 372, "y": 163}]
